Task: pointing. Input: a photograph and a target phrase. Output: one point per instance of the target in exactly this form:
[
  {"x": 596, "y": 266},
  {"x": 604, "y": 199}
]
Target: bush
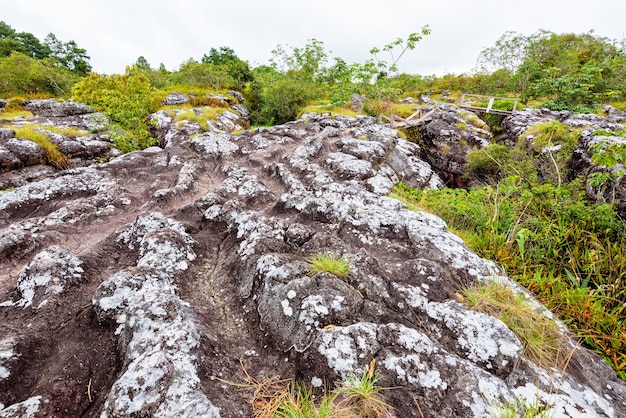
[
  {"x": 127, "y": 99},
  {"x": 282, "y": 100},
  {"x": 24, "y": 75}
]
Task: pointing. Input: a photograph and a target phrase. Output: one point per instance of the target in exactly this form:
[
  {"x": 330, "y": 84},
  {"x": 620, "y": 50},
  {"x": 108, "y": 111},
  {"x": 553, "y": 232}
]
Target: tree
[
  {"x": 206, "y": 75},
  {"x": 397, "y": 49},
  {"x": 236, "y": 68},
  {"x": 32, "y": 46},
  {"x": 304, "y": 63},
  {"x": 68, "y": 55},
  {"x": 6, "y": 31},
  {"x": 142, "y": 63},
  {"x": 509, "y": 53},
  {"x": 22, "y": 74}
]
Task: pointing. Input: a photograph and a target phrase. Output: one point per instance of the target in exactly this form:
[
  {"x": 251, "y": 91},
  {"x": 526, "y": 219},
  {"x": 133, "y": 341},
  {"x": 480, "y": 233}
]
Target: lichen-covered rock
[
  {"x": 6, "y": 133},
  {"x": 23, "y": 161},
  {"x": 445, "y": 141},
  {"x": 56, "y": 109},
  {"x": 175, "y": 98},
  {"x": 196, "y": 278},
  {"x": 48, "y": 275}
]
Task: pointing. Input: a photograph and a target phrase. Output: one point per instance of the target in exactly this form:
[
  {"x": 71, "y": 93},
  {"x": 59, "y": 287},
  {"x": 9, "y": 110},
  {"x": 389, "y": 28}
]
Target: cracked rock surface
[{"x": 143, "y": 286}]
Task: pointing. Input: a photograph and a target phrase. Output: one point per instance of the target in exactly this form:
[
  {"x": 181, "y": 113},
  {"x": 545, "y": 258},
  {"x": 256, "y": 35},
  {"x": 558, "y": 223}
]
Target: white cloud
[{"x": 116, "y": 32}]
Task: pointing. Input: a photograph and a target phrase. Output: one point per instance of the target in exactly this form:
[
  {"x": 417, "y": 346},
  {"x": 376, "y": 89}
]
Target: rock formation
[
  {"x": 23, "y": 161},
  {"x": 146, "y": 285},
  {"x": 446, "y": 141},
  {"x": 595, "y": 131}
]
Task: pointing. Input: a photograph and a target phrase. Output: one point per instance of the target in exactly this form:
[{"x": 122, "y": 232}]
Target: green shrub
[
  {"x": 127, "y": 99},
  {"x": 22, "y": 74},
  {"x": 488, "y": 164}
]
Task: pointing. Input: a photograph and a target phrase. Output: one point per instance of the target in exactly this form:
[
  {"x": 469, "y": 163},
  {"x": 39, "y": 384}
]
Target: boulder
[
  {"x": 53, "y": 108},
  {"x": 445, "y": 141},
  {"x": 175, "y": 98},
  {"x": 179, "y": 276}
]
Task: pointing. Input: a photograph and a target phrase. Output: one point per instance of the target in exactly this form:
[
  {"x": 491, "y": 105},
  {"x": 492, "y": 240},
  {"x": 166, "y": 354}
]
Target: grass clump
[
  {"x": 54, "y": 156},
  {"x": 362, "y": 397},
  {"x": 354, "y": 397},
  {"x": 523, "y": 409},
  {"x": 330, "y": 263},
  {"x": 540, "y": 336}
]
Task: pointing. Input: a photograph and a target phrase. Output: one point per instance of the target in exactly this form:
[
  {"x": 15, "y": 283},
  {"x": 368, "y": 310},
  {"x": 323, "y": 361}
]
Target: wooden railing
[
  {"x": 466, "y": 102},
  {"x": 416, "y": 119}
]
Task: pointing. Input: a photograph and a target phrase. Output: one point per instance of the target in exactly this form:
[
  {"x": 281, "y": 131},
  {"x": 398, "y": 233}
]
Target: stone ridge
[{"x": 186, "y": 268}]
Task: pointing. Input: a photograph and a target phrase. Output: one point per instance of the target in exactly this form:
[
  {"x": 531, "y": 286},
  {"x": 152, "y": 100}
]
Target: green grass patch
[
  {"x": 205, "y": 114},
  {"x": 54, "y": 156},
  {"x": 67, "y": 131},
  {"x": 353, "y": 397},
  {"x": 330, "y": 263}
]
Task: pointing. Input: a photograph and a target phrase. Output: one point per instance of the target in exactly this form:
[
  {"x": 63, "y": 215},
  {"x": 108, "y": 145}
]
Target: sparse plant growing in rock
[
  {"x": 362, "y": 396},
  {"x": 54, "y": 156},
  {"x": 522, "y": 409},
  {"x": 330, "y": 263}
]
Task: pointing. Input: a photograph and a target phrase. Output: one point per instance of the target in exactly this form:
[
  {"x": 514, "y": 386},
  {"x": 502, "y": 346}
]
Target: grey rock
[
  {"x": 445, "y": 142},
  {"x": 175, "y": 98},
  {"x": 56, "y": 109},
  {"x": 195, "y": 260},
  {"x": 6, "y": 133},
  {"x": 238, "y": 96}
]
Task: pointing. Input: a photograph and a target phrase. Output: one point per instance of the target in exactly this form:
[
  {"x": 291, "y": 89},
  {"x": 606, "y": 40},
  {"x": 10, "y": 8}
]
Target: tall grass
[
  {"x": 569, "y": 252},
  {"x": 54, "y": 156}
]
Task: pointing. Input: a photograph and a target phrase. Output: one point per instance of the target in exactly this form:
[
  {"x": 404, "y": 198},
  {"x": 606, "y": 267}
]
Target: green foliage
[
  {"x": 568, "y": 251},
  {"x": 488, "y": 164},
  {"x": 330, "y": 263},
  {"x": 567, "y": 71},
  {"x": 127, "y": 100},
  {"x": 24, "y": 75},
  {"x": 55, "y": 52},
  {"x": 236, "y": 68},
  {"x": 397, "y": 49},
  {"x": 281, "y": 101},
  {"x": 204, "y": 75}
]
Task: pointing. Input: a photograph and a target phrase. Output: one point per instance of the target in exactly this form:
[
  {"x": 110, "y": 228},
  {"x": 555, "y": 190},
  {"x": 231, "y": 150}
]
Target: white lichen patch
[
  {"x": 48, "y": 274},
  {"x": 24, "y": 409},
  {"x": 7, "y": 346},
  {"x": 217, "y": 145},
  {"x": 346, "y": 348},
  {"x": 287, "y": 310}
]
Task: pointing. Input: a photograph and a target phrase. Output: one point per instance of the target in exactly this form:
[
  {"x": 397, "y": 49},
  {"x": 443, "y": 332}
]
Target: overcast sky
[{"x": 116, "y": 32}]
